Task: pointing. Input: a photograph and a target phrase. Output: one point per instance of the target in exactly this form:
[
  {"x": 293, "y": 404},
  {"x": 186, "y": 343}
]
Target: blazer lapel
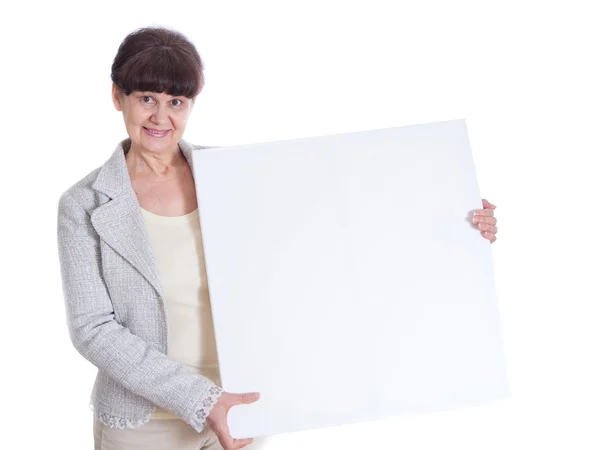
[{"x": 119, "y": 221}]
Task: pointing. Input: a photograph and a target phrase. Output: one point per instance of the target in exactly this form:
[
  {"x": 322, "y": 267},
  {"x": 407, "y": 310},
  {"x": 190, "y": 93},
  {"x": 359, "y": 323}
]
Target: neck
[{"x": 158, "y": 165}]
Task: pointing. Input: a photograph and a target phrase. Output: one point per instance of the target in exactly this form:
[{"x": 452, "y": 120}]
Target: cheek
[
  {"x": 141, "y": 118},
  {"x": 180, "y": 121},
  {"x": 137, "y": 117}
]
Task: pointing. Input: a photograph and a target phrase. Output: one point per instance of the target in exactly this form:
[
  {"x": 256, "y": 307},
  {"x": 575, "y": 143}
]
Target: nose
[{"x": 161, "y": 114}]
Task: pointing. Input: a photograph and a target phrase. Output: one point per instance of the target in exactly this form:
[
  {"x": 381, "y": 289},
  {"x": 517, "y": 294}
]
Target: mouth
[{"x": 156, "y": 133}]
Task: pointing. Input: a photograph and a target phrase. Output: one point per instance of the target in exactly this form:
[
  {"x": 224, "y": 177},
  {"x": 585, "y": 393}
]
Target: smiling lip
[{"x": 156, "y": 133}]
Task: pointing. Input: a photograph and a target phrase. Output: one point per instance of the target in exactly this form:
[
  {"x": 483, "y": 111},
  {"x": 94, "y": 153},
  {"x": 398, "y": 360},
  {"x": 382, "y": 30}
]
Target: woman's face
[{"x": 154, "y": 121}]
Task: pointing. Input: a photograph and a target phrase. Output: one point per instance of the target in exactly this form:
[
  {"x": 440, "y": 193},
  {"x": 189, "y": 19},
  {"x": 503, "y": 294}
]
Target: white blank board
[{"x": 346, "y": 279}]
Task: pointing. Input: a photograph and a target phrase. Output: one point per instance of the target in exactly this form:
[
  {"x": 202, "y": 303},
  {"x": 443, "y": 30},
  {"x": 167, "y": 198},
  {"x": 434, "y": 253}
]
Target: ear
[{"x": 117, "y": 96}]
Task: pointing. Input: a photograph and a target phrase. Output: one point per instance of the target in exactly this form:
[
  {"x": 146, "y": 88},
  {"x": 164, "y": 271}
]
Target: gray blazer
[{"x": 115, "y": 305}]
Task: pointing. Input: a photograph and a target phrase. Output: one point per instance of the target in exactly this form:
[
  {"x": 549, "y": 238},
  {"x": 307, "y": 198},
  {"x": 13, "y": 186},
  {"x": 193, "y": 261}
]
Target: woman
[{"x": 132, "y": 264}]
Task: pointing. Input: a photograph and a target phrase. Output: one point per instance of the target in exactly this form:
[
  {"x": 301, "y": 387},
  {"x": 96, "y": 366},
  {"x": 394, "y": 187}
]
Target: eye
[
  {"x": 146, "y": 99},
  {"x": 177, "y": 100}
]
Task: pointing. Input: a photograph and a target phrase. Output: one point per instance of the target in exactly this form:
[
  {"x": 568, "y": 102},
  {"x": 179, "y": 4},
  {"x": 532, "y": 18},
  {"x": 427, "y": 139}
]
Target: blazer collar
[{"x": 119, "y": 222}]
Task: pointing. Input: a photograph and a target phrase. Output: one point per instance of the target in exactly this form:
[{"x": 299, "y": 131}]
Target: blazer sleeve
[{"x": 100, "y": 339}]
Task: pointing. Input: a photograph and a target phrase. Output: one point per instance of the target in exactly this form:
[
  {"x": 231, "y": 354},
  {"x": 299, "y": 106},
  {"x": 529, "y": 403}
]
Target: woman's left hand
[{"x": 485, "y": 221}]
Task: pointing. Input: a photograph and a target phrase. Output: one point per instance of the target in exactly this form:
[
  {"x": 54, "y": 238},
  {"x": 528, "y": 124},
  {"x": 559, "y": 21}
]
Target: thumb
[
  {"x": 249, "y": 397},
  {"x": 489, "y": 205}
]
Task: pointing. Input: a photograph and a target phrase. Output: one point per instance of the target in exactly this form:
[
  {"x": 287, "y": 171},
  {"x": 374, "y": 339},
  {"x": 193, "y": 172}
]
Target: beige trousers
[{"x": 162, "y": 434}]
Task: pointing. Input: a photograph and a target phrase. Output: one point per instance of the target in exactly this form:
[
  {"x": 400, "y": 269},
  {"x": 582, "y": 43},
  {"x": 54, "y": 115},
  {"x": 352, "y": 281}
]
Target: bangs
[{"x": 161, "y": 70}]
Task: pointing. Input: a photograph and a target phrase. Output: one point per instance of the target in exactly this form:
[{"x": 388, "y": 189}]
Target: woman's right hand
[{"x": 217, "y": 419}]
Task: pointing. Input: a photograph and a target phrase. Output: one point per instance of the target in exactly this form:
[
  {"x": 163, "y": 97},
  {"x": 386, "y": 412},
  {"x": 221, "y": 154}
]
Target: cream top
[{"x": 177, "y": 246}]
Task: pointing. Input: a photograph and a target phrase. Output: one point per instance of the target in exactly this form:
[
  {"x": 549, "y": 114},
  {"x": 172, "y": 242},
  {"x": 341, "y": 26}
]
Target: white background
[{"x": 523, "y": 73}]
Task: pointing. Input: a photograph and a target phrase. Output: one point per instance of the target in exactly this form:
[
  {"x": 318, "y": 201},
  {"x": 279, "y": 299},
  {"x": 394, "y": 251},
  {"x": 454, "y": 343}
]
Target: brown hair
[{"x": 158, "y": 59}]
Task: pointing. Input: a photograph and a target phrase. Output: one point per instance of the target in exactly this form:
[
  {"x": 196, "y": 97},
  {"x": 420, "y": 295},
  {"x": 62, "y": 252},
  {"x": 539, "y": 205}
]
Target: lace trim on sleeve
[
  {"x": 207, "y": 404},
  {"x": 118, "y": 422}
]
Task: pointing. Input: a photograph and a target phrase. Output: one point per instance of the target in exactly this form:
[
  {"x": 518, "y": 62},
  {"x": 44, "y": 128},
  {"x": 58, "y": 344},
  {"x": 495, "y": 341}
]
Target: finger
[
  {"x": 487, "y": 227},
  {"x": 485, "y": 219},
  {"x": 224, "y": 436},
  {"x": 487, "y": 204},
  {"x": 489, "y": 236},
  {"x": 241, "y": 443},
  {"x": 483, "y": 212},
  {"x": 227, "y": 443},
  {"x": 249, "y": 397}
]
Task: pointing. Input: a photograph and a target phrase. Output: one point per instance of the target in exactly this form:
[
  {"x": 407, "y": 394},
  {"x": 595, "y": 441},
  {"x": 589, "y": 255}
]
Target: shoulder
[{"x": 82, "y": 192}]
